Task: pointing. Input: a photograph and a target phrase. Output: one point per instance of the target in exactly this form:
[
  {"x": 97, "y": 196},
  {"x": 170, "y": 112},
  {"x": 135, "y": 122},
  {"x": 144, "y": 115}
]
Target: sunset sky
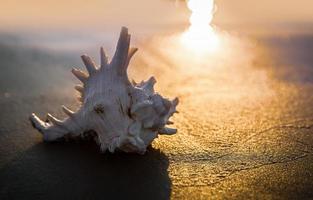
[{"x": 98, "y": 14}]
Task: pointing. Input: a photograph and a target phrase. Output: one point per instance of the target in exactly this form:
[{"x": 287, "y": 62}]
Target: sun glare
[{"x": 200, "y": 36}]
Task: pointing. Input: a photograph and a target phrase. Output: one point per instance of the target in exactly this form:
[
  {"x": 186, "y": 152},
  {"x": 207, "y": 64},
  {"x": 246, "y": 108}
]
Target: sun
[{"x": 200, "y": 36}]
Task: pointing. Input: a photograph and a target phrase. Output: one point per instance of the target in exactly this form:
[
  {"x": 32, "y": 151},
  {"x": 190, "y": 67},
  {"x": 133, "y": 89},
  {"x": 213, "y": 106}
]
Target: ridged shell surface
[{"x": 122, "y": 115}]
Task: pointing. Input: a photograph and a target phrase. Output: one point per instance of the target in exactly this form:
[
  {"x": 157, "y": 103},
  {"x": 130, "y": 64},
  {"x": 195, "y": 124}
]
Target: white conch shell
[{"x": 125, "y": 116}]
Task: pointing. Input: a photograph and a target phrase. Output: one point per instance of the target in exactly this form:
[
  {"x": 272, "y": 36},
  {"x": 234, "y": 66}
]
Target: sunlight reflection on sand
[{"x": 229, "y": 71}]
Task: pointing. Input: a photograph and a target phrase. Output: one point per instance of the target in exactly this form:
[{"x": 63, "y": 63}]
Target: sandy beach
[{"x": 244, "y": 127}]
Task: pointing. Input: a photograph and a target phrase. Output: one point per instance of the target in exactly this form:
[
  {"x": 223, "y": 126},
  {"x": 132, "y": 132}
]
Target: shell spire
[
  {"x": 119, "y": 60},
  {"x": 123, "y": 116},
  {"x": 103, "y": 58}
]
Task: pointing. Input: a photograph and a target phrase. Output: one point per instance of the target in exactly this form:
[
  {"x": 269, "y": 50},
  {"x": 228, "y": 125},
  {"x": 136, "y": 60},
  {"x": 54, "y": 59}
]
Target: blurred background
[
  {"x": 48, "y": 36},
  {"x": 151, "y": 16},
  {"x": 64, "y": 28}
]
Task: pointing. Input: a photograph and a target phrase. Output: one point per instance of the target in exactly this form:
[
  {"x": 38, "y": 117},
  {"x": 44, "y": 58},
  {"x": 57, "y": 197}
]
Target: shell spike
[
  {"x": 37, "y": 122},
  {"x": 90, "y": 65},
  {"x": 82, "y": 76},
  {"x": 54, "y": 120},
  {"x": 131, "y": 53},
  {"x": 134, "y": 82},
  {"x": 80, "y": 99},
  {"x": 67, "y": 111},
  {"x": 167, "y": 131},
  {"x": 169, "y": 122},
  {"x": 150, "y": 83},
  {"x": 103, "y": 58},
  {"x": 175, "y": 101},
  {"x": 79, "y": 88}
]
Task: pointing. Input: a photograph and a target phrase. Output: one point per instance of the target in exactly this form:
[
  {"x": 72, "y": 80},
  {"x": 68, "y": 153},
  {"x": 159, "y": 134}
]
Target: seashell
[{"x": 124, "y": 116}]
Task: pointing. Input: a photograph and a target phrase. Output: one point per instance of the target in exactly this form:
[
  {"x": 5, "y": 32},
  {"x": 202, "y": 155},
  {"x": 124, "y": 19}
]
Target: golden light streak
[{"x": 200, "y": 37}]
